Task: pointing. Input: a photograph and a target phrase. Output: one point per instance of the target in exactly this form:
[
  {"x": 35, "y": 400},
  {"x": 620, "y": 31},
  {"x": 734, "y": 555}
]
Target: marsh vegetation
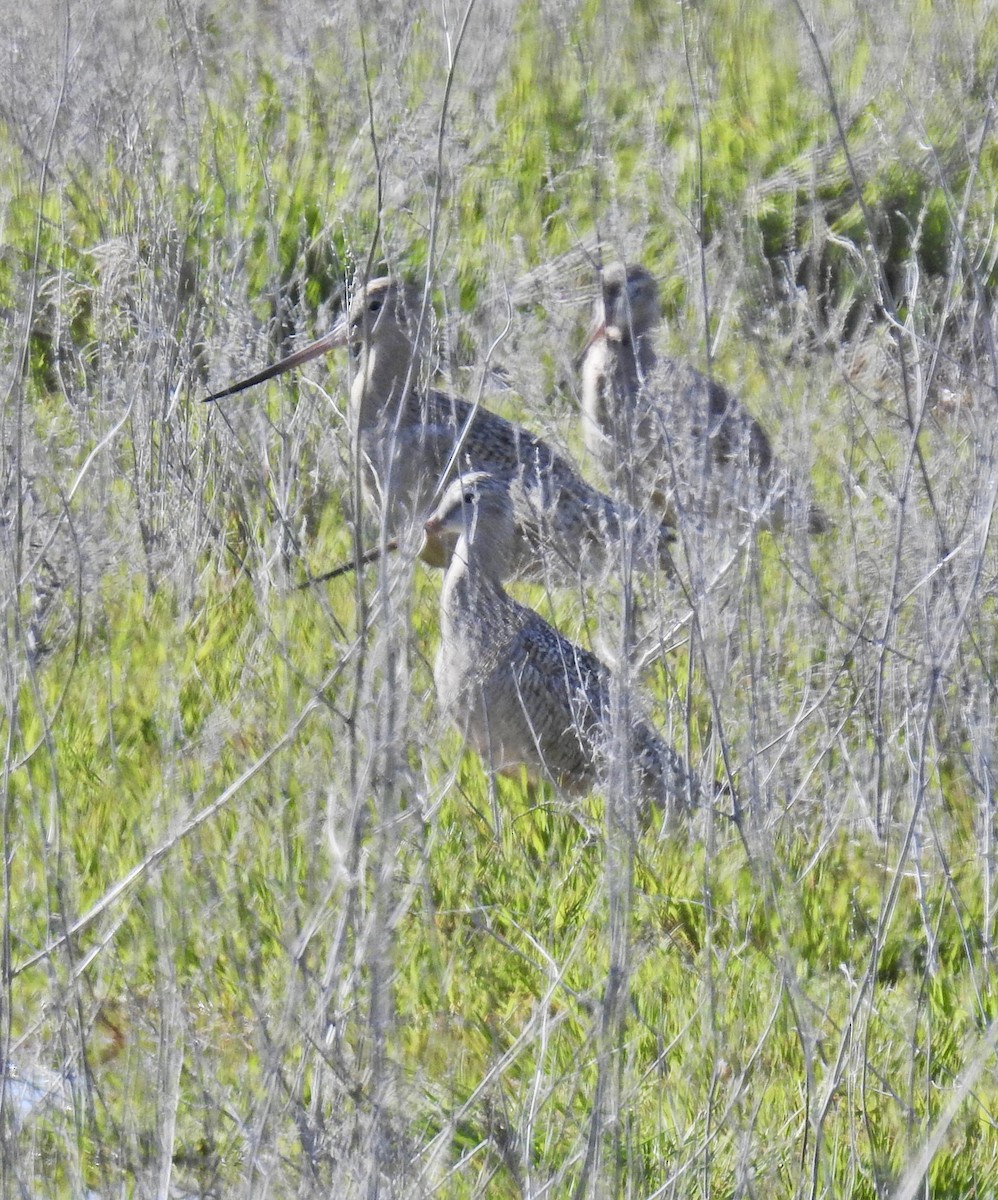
[{"x": 267, "y": 928}]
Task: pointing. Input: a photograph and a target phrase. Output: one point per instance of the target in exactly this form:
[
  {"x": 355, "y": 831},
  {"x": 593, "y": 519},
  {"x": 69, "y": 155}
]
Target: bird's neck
[
  {"x": 633, "y": 361},
  {"x": 386, "y": 373},
  {"x": 614, "y": 375},
  {"x": 474, "y": 577}
]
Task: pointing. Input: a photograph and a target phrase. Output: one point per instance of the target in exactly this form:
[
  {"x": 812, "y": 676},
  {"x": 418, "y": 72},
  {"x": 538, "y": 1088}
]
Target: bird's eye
[
  {"x": 374, "y": 305},
  {"x": 468, "y": 498}
]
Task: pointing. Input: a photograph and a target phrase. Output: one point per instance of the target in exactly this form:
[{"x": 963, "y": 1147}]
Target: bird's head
[
  {"x": 630, "y": 302},
  {"x": 383, "y": 312},
  {"x": 384, "y": 316},
  {"x": 476, "y": 507}
]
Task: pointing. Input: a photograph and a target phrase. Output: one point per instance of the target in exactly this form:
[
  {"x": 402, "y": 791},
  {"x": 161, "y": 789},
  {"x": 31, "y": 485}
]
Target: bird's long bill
[
  {"x": 369, "y": 556},
  {"x": 337, "y": 336},
  {"x": 435, "y": 551}
]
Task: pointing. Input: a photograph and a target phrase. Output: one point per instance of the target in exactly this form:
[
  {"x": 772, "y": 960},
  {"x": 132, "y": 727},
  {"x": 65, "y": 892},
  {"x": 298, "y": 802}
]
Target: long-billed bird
[
  {"x": 661, "y": 430},
  {"x": 524, "y": 696},
  {"x": 411, "y": 437}
]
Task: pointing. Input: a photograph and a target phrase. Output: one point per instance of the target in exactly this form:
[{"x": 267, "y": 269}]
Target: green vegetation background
[{"x": 266, "y": 931}]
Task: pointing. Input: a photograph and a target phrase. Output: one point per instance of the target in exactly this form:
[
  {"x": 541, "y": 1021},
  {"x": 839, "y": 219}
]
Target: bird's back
[
  {"x": 662, "y": 430},
  {"x": 562, "y": 520},
  {"x": 526, "y": 696},
  {"x": 686, "y": 439}
]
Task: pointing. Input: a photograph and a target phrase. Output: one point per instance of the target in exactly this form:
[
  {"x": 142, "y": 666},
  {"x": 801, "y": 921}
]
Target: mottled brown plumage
[
  {"x": 663, "y": 430},
  {"x": 411, "y": 436},
  {"x": 523, "y": 695}
]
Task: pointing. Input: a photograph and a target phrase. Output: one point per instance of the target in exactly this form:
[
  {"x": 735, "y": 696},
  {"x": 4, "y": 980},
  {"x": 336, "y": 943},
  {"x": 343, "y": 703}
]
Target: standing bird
[
  {"x": 661, "y": 428},
  {"x": 523, "y": 695},
  {"x": 411, "y": 437}
]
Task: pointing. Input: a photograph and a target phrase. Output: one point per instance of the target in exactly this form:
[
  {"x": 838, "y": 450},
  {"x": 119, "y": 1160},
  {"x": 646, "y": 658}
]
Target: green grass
[{"x": 371, "y": 969}]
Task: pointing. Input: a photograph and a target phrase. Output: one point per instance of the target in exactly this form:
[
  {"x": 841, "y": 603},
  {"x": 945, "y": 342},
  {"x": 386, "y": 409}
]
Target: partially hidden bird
[
  {"x": 662, "y": 431},
  {"x": 411, "y": 437},
  {"x": 524, "y": 696}
]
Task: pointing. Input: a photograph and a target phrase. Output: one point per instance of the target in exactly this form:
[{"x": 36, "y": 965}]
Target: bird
[
  {"x": 411, "y": 436},
  {"x": 522, "y": 694},
  {"x": 659, "y": 428}
]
